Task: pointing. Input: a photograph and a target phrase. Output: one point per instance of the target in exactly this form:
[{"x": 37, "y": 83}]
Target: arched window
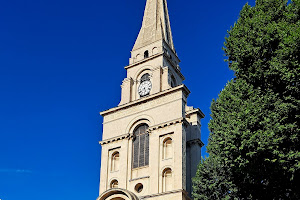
[
  {"x": 115, "y": 161},
  {"x": 173, "y": 81},
  {"x": 141, "y": 147},
  {"x": 145, "y": 77},
  {"x": 146, "y": 54},
  {"x": 167, "y": 180},
  {"x": 167, "y": 148},
  {"x": 114, "y": 184}
]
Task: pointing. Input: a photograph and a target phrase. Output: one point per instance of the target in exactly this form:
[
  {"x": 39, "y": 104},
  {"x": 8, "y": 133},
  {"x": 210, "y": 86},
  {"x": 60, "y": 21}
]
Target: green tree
[
  {"x": 255, "y": 120},
  {"x": 211, "y": 181}
]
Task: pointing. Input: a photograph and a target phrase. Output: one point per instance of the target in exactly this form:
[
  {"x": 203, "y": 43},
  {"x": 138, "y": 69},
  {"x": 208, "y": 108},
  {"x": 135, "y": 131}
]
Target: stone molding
[
  {"x": 144, "y": 60},
  {"x": 194, "y": 110},
  {"x": 166, "y": 193},
  {"x": 169, "y": 123},
  {"x": 118, "y": 192},
  {"x": 195, "y": 142},
  {"x": 127, "y": 80},
  {"x": 152, "y": 128},
  {"x": 147, "y": 99},
  {"x": 114, "y": 139},
  {"x": 135, "y": 179}
]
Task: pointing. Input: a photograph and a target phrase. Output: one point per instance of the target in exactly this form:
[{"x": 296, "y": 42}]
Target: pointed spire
[{"x": 156, "y": 25}]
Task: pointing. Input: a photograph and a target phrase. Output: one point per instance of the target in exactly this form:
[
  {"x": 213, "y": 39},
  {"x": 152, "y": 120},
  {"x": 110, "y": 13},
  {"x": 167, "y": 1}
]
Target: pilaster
[
  {"x": 157, "y": 73},
  {"x": 165, "y": 78},
  {"x": 126, "y": 86}
]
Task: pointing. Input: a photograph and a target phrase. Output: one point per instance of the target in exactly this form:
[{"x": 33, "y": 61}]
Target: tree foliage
[
  {"x": 254, "y": 144},
  {"x": 212, "y": 177}
]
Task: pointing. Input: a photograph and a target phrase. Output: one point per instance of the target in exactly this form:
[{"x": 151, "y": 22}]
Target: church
[{"x": 151, "y": 142}]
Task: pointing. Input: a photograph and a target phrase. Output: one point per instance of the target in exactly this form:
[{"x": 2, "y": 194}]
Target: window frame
[
  {"x": 166, "y": 156},
  {"x": 140, "y": 143},
  {"x": 113, "y": 163},
  {"x": 164, "y": 180}
]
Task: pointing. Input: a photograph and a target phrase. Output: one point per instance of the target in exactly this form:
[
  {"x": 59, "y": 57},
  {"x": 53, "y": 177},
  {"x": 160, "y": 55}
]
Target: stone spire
[{"x": 156, "y": 25}]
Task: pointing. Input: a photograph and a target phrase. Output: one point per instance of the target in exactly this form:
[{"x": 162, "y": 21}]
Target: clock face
[{"x": 144, "y": 88}]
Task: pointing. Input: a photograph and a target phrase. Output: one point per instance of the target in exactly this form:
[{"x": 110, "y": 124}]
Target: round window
[{"x": 139, "y": 187}]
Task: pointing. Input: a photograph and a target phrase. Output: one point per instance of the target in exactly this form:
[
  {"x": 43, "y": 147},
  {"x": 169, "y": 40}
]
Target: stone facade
[{"x": 159, "y": 161}]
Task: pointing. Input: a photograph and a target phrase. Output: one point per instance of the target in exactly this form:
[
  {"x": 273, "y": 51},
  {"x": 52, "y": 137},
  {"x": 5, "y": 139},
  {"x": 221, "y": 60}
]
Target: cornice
[
  {"x": 144, "y": 60},
  {"x": 195, "y": 110},
  {"x": 166, "y": 193},
  {"x": 169, "y": 123},
  {"x": 195, "y": 141},
  {"x": 114, "y": 139},
  {"x": 155, "y": 56},
  {"x": 152, "y": 128},
  {"x": 146, "y": 99},
  {"x": 137, "y": 49},
  {"x": 163, "y": 42}
]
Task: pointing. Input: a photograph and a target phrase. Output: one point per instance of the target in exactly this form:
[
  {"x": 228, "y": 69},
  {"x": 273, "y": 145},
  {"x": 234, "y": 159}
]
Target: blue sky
[{"x": 62, "y": 62}]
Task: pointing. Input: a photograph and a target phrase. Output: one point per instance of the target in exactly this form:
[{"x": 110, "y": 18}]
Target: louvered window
[
  {"x": 145, "y": 77},
  {"x": 141, "y": 147}
]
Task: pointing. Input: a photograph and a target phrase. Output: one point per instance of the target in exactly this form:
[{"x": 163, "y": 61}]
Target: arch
[
  {"x": 142, "y": 73},
  {"x": 143, "y": 70},
  {"x": 167, "y": 148},
  {"x": 116, "y": 197},
  {"x": 145, "y": 77},
  {"x": 167, "y": 180},
  {"x": 117, "y": 194},
  {"x": 147, "y": 119},
  {"x": 115, "y": 161}
]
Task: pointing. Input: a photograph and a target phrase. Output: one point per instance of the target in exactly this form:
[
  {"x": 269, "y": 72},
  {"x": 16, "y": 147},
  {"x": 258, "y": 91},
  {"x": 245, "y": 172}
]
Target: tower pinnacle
[{"x": 155, "y": 26}]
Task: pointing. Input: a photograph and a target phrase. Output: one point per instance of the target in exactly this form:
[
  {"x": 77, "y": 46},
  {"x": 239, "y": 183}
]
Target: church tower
[{"x": 151, "y": 141}]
